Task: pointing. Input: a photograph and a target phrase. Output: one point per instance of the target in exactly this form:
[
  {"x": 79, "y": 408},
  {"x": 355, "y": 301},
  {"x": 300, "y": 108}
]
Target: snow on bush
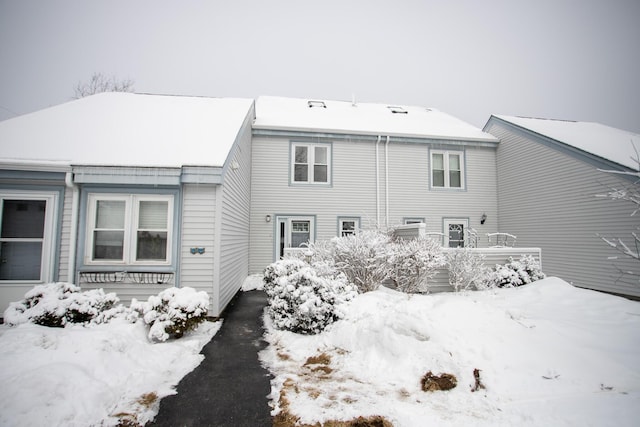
[
  {"x": 361, "y": 257},
  {"x": 517, "y": 273},
  {"x": 411, "y": 263},
  {"x": 304, "y": 298},
  {"x": 467, "y": 270},
  {"x": 172, "y": 312},
  {"x": 58, "y": 304}
]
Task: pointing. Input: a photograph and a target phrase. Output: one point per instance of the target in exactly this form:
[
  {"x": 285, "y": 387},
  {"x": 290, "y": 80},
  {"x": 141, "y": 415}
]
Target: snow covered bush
[
  {"x": 361, "y": 257},
  {"x": 172, "y": 312},
  {"x": 517, "y": 273},
  {"x": 467, "y": 269},
  {"x": 305, "y": 298},
  {"x": 58, "y": 304},
  {"x": 411, "y": 263},
  {"x": 283, "y": 268}
]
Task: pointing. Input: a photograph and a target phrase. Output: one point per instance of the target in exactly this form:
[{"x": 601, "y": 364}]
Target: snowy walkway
[{"x": 230, "y": 387}]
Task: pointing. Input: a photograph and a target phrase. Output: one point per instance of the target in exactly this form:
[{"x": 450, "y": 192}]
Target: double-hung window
[
  {"x": 129, "y": 229},
  {"x": 311, "y": 163},
  {"x": 348, "y": 226},
  {"x": 447, "y": 169}
]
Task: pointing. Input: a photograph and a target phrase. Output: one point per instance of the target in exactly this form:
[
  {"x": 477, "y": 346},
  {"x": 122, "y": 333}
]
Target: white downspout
[
  {"x": 378, "y": 183},
  {"x": 386, "y": 181},
  {"x": 73, "y": 234}
]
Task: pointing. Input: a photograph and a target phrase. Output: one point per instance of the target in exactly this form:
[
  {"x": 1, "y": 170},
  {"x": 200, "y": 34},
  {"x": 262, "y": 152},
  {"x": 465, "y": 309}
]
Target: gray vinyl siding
[
  {"x": 234, "y": 223},
  {"x": 352, "y": 192},
  {"x": 198, "y": 231},
  {"x": 410, "y": 195},
  {"x": 547, "y": 199},
  {"x": 65, "y": 238}
]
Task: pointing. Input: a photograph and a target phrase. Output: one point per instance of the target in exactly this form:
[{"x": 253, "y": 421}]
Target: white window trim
[
  {"x": 130, "y": 228},
  {"x": 48, "y": 238},
  {"x": 342, "y": 220},
  {"x": 449, "y": 221},
  {"x": 310, "y": 163},
  {"x": 445, "y": 156}
]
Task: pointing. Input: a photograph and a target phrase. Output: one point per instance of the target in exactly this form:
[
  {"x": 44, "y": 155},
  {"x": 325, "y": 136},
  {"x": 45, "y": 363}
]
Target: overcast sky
[{"x": 574, "y": 60}]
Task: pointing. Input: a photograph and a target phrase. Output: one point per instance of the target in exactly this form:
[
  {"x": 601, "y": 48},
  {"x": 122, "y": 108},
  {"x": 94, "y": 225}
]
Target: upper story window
[
  {"x": 129, "y": 229},
  {"x": 311, "y": 163},
  {"x": 447, "y": 169}
]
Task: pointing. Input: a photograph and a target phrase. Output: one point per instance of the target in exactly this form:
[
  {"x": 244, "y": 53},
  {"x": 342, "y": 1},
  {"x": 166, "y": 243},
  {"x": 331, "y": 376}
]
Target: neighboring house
[
  {"x": 127, "y": 192},
  {"x": 327, "y": 168},
  {"x": 549, "y": 174}
]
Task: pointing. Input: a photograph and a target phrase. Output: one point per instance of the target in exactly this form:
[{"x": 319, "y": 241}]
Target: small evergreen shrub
[
  {"x": 411, "y": 263},
  {"x": 59, "y": 304},
  {"x": 466, "y": 269},
  {"x": 172, "y": 312},
  {"x": 517, "y": 273},
  {"x": 305, "y": 298}
]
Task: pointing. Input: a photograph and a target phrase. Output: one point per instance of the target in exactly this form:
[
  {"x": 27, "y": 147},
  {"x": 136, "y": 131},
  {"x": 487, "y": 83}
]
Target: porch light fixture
[
  {"x": 483, "y": 218},
  {"x": 267, "y": 218}
]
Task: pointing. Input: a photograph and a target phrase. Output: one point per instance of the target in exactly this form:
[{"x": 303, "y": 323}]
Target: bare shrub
[
  {"x": 413, "y": 262},
  {"x": 466, "y": 269},
  {"x": 361, "y": 257}
]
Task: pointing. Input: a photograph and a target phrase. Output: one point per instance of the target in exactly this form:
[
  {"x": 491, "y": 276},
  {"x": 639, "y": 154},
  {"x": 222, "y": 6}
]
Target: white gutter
[
  {"x": 73, "y": 235},
  {"x": 378, "y": 183},
  {"x": 386, "y": 181}
]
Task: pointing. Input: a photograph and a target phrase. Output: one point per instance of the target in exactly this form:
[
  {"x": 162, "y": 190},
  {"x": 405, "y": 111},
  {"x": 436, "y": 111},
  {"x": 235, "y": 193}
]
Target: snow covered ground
[
  {"x": 547, "y": 354},
  {"x": 89, "y": 376}
]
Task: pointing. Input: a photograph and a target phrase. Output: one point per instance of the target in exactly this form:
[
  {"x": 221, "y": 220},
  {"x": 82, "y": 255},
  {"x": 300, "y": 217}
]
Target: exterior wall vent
[{"x": 398, "y": 110}]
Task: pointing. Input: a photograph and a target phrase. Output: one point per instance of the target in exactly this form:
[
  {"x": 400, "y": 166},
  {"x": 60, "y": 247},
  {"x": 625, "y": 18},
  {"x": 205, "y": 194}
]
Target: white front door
[
  {"x": 293, "y": 232},
  {"x": 454, "y": 232},
  {"x": 26, "y": 237}
]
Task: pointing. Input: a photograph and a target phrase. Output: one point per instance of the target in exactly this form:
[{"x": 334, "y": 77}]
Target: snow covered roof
[
  {"x": 275, "y": 113},
  {"x": 603, "y": 141},
  {"x": 126, "y": 129}
]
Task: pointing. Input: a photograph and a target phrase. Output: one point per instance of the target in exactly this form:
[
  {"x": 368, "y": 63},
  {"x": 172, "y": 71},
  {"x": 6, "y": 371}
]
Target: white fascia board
[
  {"x": 269, "y": 131},
  {"x": 126, "y": 175},
  {"x": 35, "y": 165}
]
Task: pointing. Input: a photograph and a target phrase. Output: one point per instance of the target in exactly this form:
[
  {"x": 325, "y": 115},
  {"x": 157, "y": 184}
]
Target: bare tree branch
[
  {"x": 100, "y": 83},
  {"x": 628, "y": 193}
]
